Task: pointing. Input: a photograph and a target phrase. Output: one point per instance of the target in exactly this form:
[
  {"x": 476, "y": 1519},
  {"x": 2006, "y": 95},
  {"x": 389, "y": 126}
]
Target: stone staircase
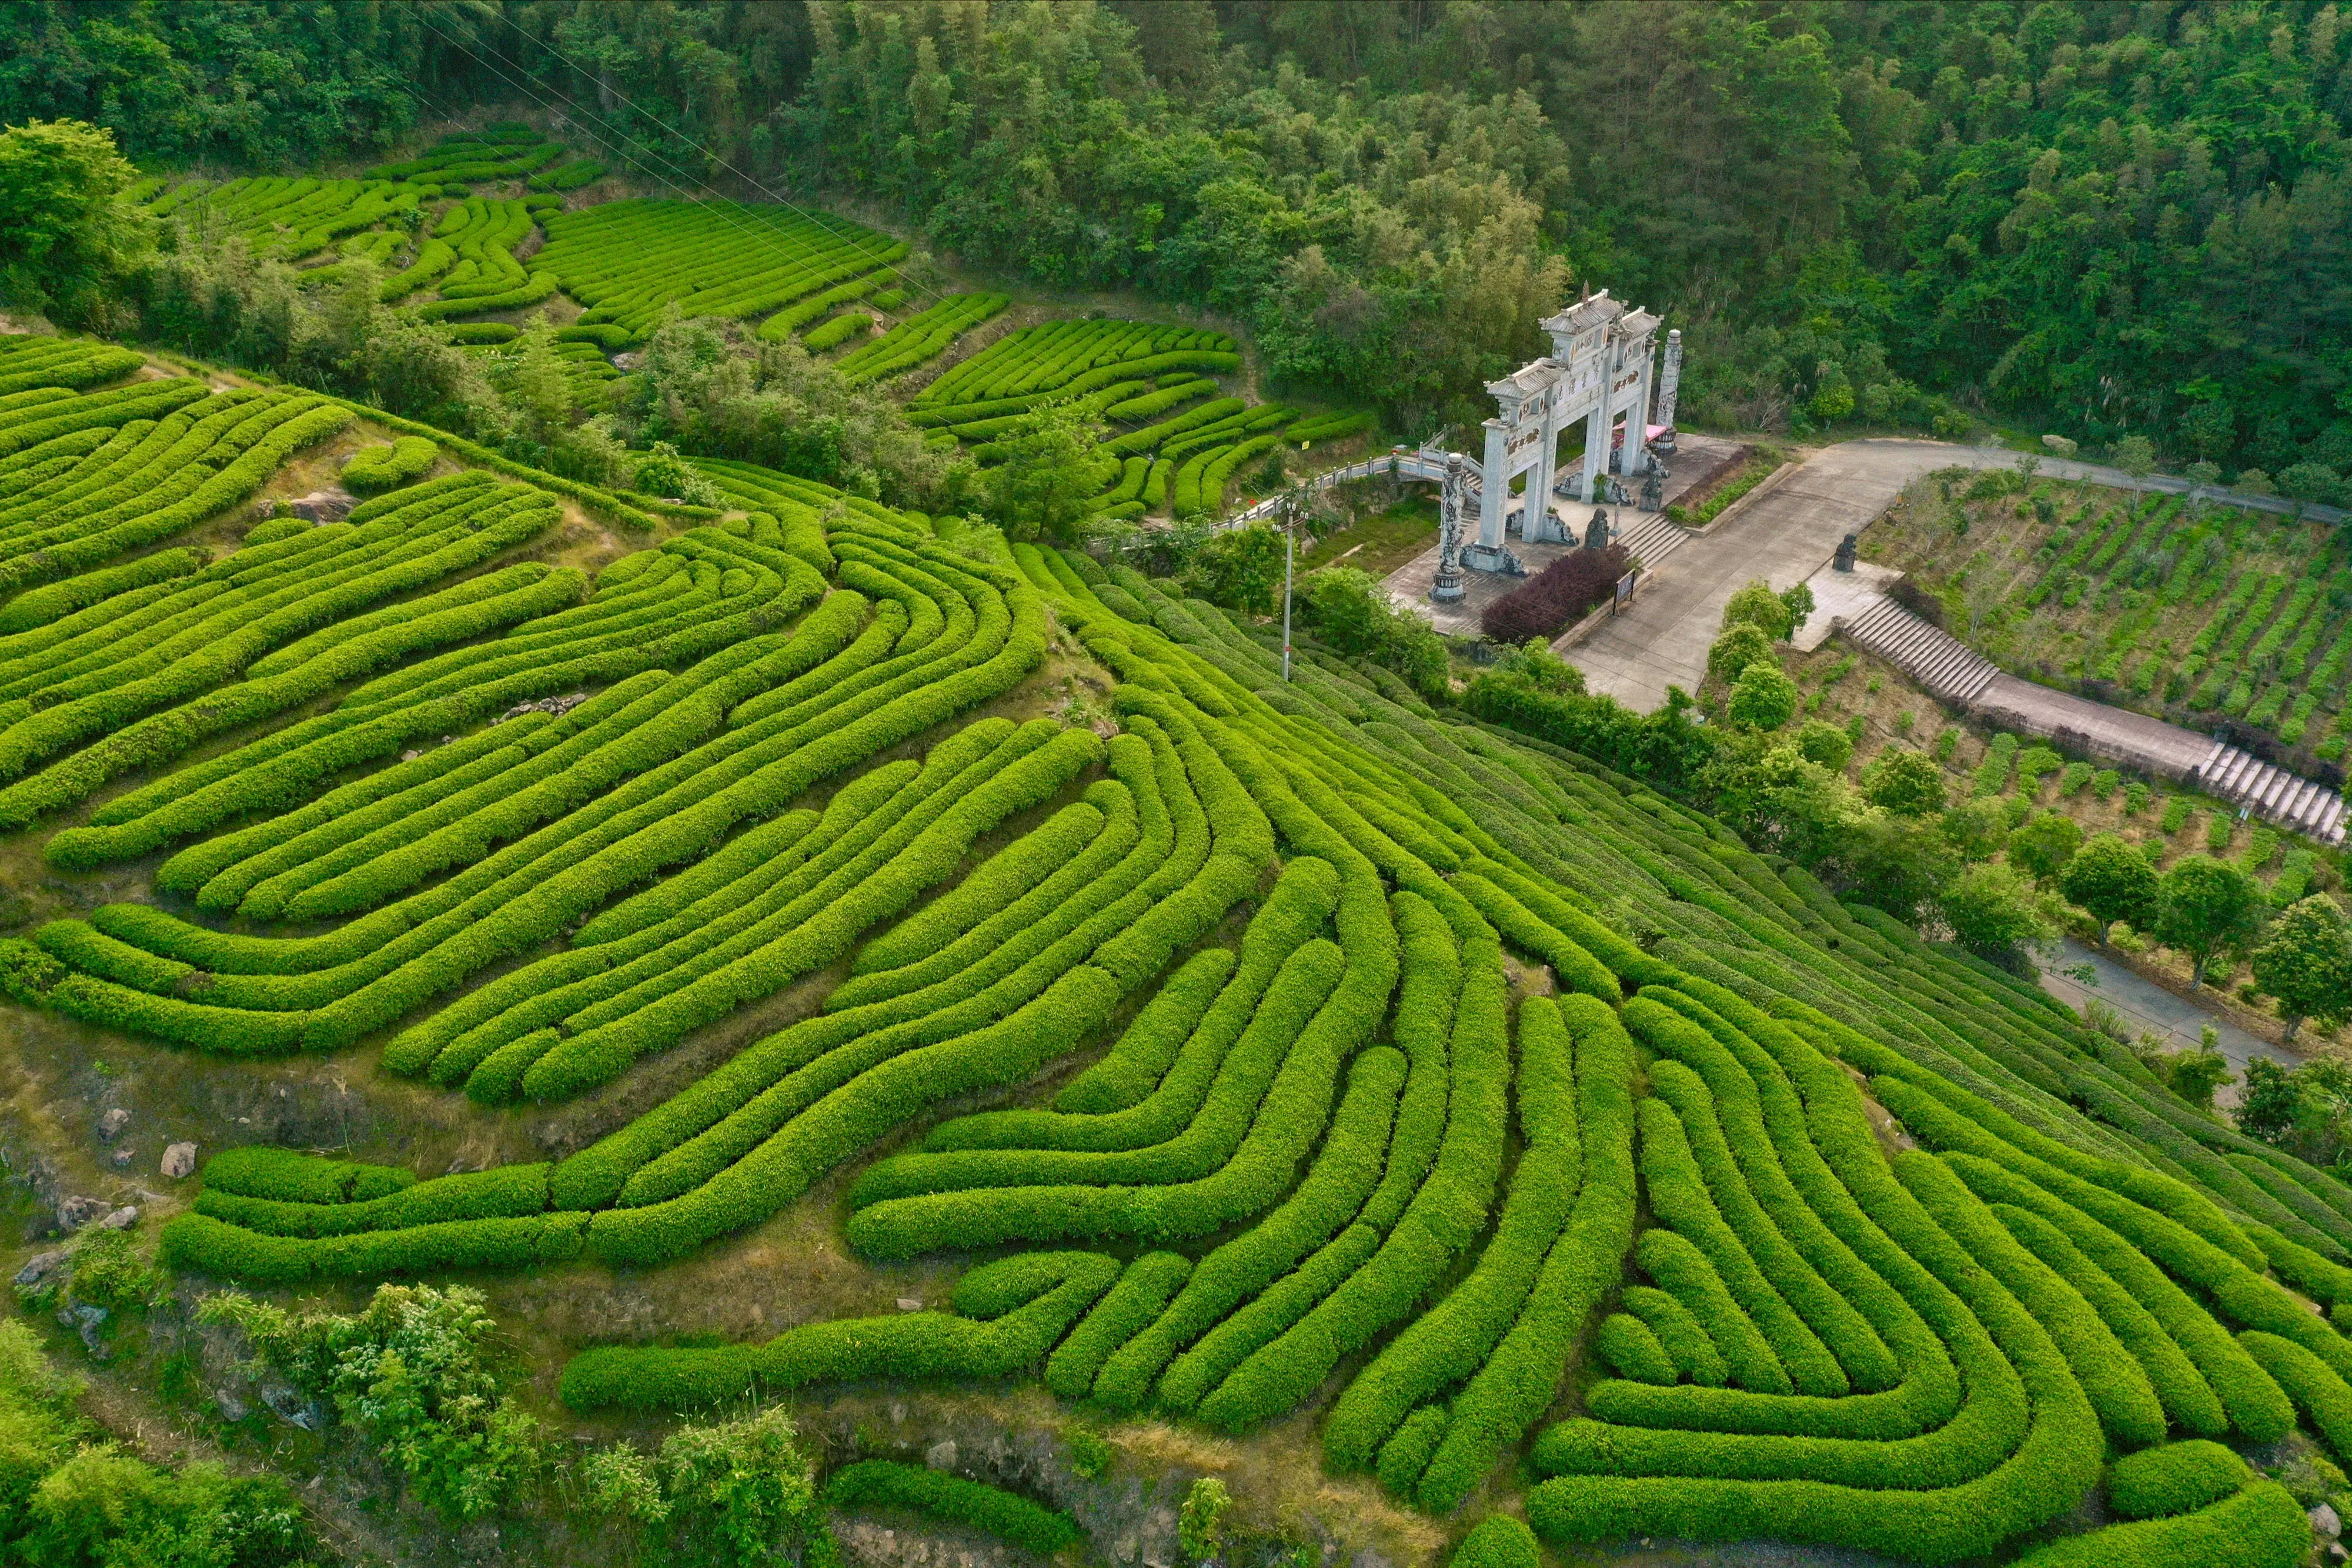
[
  {"x": 1947, "y": 667},
  {"x": 1653, "y": 538},
  {"x": 2273, "y": 793}
]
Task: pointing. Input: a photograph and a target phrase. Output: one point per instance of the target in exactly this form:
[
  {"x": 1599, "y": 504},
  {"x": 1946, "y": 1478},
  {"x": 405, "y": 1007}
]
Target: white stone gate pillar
[
  {"x": 1494, "y": 488},
  {"x": 1540, "y": 526},
  {"x": 1637, "y": 421},
  {"x": 1596, "y": 447}
]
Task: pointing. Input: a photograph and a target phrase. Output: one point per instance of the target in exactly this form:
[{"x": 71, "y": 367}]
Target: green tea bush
[
  {"x": 2174, "y": 1479},
  {"x": 372, "y": 469},
  {"x": 881, "y": 1483}
]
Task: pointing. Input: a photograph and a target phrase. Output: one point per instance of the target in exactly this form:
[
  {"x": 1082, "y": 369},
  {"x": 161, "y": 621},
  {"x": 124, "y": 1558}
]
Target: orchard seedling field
[{"x": 2193, "y": 613}]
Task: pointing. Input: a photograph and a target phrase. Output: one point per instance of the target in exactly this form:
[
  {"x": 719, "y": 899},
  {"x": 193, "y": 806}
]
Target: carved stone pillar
[
  {"x": 1447, "y": 589},
  {"x": 1669, "y": 388}
]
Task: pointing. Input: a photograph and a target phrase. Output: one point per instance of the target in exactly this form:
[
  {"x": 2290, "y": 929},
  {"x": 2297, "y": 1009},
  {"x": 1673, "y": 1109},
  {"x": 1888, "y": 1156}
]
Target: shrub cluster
[{"x": 1557, "y": 596}]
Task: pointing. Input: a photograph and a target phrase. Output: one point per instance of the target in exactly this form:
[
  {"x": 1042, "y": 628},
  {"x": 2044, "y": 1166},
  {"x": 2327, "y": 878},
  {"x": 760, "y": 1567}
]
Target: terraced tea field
[
  {"x": 1177, "y": 440},
  {"x": 1253, "y": 1047}
]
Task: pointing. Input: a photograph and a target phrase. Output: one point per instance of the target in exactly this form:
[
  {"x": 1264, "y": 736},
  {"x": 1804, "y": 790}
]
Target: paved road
[
  {"x": 1662, "y": 638},
  {"x": 1784, "y": 538},
  {"x": 2146, "y": 1005}
]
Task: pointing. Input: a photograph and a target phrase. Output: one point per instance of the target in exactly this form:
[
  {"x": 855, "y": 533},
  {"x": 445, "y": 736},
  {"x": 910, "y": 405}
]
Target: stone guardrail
[{"x": 1427, "y": 466}]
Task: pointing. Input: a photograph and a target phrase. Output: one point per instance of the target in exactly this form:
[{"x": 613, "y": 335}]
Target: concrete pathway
[
  {"x": 2145, "y": 1005},
  {"x": 1784, "y": 537}
]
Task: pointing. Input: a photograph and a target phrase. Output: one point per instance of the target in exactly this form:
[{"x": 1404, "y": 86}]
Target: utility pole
[
  {"x": 1289, "y": 548},
  {"x": 1295, "y": 499}
]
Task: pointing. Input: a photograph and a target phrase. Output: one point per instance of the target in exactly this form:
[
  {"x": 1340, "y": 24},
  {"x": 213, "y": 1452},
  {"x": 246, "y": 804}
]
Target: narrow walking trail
[{"x": 2145, "y": 1005}]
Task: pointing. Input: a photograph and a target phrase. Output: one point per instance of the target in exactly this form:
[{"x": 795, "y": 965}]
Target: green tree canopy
[
  {"x": 1992, "y": 912},
  {"x": 1351, "y": 611},
  {"x": 2112, "y": 879},
  {"x": 1048, "y": 475},
  {"x": 1240, "y": 569},
  {"x": 2043, "y": 844},
  {"x": 2304, "y": 959},
  {"x": 1742, "y": 644},
  {"x": 1908, "y": 783},
  {"x": 2207, "y": 908},
  {"x": 1763, "y": 697},
  {"x": 1756, "y": 604},
  {"x": 66, "y": 233}
]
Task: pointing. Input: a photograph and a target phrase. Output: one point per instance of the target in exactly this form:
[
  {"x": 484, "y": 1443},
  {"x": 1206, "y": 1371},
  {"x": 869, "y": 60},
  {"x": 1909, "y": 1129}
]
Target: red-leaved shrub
[{"x": 1561, "y": 593}]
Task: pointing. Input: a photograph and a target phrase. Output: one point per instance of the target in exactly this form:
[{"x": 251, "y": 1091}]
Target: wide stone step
[
  {"x": 2236, "y": 776},
  {"x": 1939, "y": 660}
]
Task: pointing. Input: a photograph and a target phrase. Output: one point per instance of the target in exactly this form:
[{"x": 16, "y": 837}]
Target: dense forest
[{"x": 2098, "y": 216}]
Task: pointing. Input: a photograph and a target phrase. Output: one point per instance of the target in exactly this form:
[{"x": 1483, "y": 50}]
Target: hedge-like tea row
[
  {"x": 838, "y": 331},
  {"x": 1007, "y": 1316},
  {"x": 232, "y": 465},
  {"x": 1053, "y": 357},
  {"x": 919, "y": 338},
  {"x": 1130, "y": 1307},
  {"x": 881, "y": 1483},
  {"x": 29, "y": 361},
  {"x": 291, "y": 216},
  {"x": 631, "y": 260},
  {"x": 2005, "y": 1311},
  {"x": 569, "y": 176},
  {"x": 1512, "y": 1390},
  {"x": 480, "y": 915},
  {"x": 1330, "y": 426},
  {"x": 2260, "y": 1526},
  {"x": 2174, "y": 1479},
  {"x": 374, "y": 468},
  {"x": 108, "y": 684}
]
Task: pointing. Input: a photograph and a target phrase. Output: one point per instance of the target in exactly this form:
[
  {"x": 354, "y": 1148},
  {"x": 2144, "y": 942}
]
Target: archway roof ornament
[{"x": 1593, "y": 311}]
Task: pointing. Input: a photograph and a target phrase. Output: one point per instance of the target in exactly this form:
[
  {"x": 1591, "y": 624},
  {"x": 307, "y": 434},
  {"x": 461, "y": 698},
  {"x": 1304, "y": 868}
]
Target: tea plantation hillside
[{"x": 1556, "y": 1154}]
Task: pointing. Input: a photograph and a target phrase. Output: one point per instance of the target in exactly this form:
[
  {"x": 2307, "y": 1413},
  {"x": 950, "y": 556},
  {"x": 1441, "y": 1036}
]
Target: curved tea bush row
[
  {"x": 488, "y": 154},
  {"x": 790, "y": 319},
  {"x": 838, "y": 331},
  {"x": 233, "y": 462},
  {"x": 1334, "y": 1191},
  {"x": 919, "y": 338},
  {"x": 1150, "y": 404},
  {"x": 1334, "y": 426},
  {"x": 2054, "y": 1283},
  {"x": 881, "y": 1483},
  {"x": 374, "y": 468},
  {"x": 1510, "y": 1392},
  {"x": 2260, "y": 1526},
  {"x": 312, "y": 583},
  {"x": 27, "y": 361},
  {"x": 618, "y": 634},
  {"x": 569, "y": 176},
  {"x": 502, "y": 904},
  {"x": 1498, "y": 1541},
  {"x": 1131, "y": 1306},
  {"x": 2174, "y": 1479},
  {"x": 1007, "y": 1316},
  {"x": 289, "y": 216},
  {"x": 1149, "y": 438},
  {"x": 631, "y": 260},
  {"x": 1054, "y": 356}
]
